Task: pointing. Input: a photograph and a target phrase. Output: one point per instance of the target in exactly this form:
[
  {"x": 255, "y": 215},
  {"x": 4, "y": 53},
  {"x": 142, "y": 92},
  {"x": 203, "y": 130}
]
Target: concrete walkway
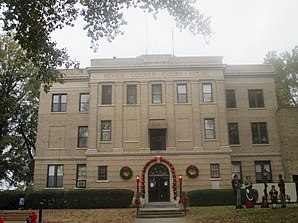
[{"x": 160, "y": 220}]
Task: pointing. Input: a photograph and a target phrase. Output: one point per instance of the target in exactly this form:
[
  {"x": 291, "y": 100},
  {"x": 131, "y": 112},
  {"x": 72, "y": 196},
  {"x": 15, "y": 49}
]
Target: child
[{"x": 273, "y": 194}]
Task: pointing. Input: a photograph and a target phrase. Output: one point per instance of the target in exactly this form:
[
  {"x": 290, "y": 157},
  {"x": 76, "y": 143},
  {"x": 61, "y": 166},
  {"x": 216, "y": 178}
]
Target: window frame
[
  {"x": 230, "y": 98},
  {"x": 132, "y": 94},
  {"x": 81, "y": 177},
  {"x": 239, "y": 173},
  {"x": 79, "y": 145},
  {"x": 207, "y": 93},
  {"x": 260, "y": 175},
  {"x": 256, "y": 98},
  {"x": 84, "y": 105},
  {"x": 102, "y": 173},
  {"x": 214, "y": 170},
  {"x": 156, "y": 97},
  {"x": 182, "y": 97},
  {"x": 56, "y": 181},
  {"x": 233, "y": 134},
  {"x": 206, "y": 130},
  {"x": 257, "y": 137},
  {"x": 61, "y": 105},
  {"x": 106, "y": 94},
  {"x": 106, "y": 131}
]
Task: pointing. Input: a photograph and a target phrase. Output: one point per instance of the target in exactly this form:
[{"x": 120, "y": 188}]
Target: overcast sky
[{"x": 243, "y": 32}]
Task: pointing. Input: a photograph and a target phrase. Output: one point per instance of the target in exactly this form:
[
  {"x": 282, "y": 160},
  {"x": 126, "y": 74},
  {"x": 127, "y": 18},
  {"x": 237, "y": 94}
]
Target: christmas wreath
[
  {"x": 126, "y": 173},
  {"x": 192, "y": 171}
]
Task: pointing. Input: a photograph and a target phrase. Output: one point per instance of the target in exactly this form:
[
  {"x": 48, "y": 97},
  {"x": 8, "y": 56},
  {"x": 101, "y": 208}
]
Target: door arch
[{"x": 158, "y": 183}]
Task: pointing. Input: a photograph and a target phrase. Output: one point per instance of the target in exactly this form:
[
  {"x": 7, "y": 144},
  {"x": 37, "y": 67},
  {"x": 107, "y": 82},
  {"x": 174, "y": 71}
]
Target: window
[
  {"x": 106, "y": 95},
  {"x": 230, "y": 99},
  {"x": 82, "y": 136},
  {"x": 259, "y": 133},
  {"x": 181, "y": 93},
  {"x": 81, "y": 175},
  {"x": 102, "y": 173},
  {"x": 207, "y": 93},
  {"x": 59, "y": 102},
  {"x": 256, "y": 99},
  {"x": 209, "y": 128},
  {"x": 233, "y": 133},
  {"x": 131, "y": 94},
  {"x": 84, "y": 102},
  {"x": 214, "y": 170},
  {"x": 263, "y": 168},
  {"x": 156, "y": 94},
  {"x": 236, "y": 169},
  {"x": 55, "y": 176},
  {"x": 106, "y": 131}
]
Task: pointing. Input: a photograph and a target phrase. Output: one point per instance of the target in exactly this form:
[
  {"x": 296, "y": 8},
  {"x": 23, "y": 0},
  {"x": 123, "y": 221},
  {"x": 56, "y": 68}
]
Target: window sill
[
  {"x": 232, "y": 109},
  {"x": 54, "y": 188},
  {"x": 215, "y": 179},
  {"x": 102, "y": 181},
  {"x": 82, "y": 148},
  {"x": 105, "y": 142},
  {"x": 208, "y": 103},
  {"x": 58, "y": 112},
  {"x": 235, "y": 145},
  {"x": 83, "y": 112},
  {"x": 106, "y": 105},
  {"x": 56, "y": 148},
  {"x": 261, "y": 144},
  {"x": 257, "y": 108},
  {"x": 210, "y": 140},
  {"x": 181, "y": 103}
]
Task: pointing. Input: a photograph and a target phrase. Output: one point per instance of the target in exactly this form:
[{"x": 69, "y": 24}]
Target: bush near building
[
  {"x": 218, "y": 197},
  {"x": 59, "y": 199}
]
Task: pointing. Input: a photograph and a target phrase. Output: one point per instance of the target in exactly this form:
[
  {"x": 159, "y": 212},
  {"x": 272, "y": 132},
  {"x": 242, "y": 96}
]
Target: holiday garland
[
  {"x": 126, "y": 173},
  {"x": 192, "y": 171},
  {"x": 158, "y": 160}
]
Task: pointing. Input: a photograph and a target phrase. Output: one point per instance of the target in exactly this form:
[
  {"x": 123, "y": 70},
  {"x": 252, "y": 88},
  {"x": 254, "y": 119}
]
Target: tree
[
  {"x": 19, "y": 92},
  {"x": 34, "y": 20},
  {"x": 286, "y": 79}
]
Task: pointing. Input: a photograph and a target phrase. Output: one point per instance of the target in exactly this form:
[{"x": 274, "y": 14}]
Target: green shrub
[
  {"x": 211, "y": 197},
  {"x": 113, "y": 198},
  {"x": 51, "y": 199},
  {"x": 9, "y": 200}
]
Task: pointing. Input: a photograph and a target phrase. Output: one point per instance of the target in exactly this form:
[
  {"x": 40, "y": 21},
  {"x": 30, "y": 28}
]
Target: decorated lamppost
[
  {"x": 265, "y": 197},
  {"x": 137, "y": 200},
  {"x": 180, "y": 184}
]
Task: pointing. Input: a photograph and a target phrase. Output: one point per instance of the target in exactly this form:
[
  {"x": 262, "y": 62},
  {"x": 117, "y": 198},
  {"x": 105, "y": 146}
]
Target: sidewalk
[{"x": 160, "y": 220}]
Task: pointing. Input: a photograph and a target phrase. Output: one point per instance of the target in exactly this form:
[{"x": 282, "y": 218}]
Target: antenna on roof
[
  {"x": 173, "y": 43},
  {"x": 146, "y": 35}
]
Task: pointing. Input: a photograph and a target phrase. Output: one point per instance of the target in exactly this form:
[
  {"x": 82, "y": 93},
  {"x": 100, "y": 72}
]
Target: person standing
[
  {"x": 236, "y": 184},
  {"x": 282, "y": 190},
  {"x": 248, "y": 192}
]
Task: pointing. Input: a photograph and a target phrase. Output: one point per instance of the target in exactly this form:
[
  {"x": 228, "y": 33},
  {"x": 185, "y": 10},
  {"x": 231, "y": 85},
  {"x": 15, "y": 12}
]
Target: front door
[{"x": 158, "y": 184}]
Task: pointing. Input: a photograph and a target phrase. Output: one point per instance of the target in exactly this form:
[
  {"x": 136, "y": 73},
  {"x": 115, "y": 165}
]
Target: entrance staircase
[{"x": 161, "y": 211}]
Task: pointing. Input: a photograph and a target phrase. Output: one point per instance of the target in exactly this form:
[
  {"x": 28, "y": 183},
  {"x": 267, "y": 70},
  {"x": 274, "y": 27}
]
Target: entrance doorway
[
  {"x": 158, "y": 183},
  {"x": 157, "y": 139}
]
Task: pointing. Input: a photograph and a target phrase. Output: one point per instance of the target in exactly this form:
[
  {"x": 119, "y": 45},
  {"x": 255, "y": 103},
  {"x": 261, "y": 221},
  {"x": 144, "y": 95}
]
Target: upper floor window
[
  {"x": 102, "y": 173},
  {"x": 106, "y": 129},
  {"x": 84, "y": 102},
  {"x": 263, "y": 171},
  {"x": 106, "y": 95},
  {"x": 181, "y": 93},
  {"x": 233, "y": 133},
  {"x": 256, "y": 98},
  {"x": 207, "y": 93},
  {"x": 59, "y": 102},
  {"x": 55, "y": 176},
  {"x": 236, "y": 169},
  {"x": 259, "y": 133},
  {"x": 209, "y": 128},
  {"x": 82, "y": 136},
  {"x": 214, "y": 170},
  {"x": 230, "y": 99},
  {"x": 132, "y": 94},
  {"x": 156, "y": 94},
  {"x": 81, "y": 175}
]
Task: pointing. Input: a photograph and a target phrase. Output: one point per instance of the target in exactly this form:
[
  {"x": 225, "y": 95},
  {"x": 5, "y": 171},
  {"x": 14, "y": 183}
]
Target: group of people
[{"x": 249, "y": 201}]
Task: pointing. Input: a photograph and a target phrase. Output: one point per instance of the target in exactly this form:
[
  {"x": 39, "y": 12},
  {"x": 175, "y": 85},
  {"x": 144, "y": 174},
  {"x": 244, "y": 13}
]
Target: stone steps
[{"x": 173, "y": 212}]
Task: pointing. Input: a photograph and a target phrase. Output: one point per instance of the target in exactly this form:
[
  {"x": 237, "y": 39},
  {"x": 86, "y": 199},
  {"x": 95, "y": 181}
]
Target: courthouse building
[{"x": 158, "y": 117}]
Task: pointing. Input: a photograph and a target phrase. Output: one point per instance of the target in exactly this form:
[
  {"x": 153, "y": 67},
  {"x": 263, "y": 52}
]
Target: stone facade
[{"x": 158, "y": 113}]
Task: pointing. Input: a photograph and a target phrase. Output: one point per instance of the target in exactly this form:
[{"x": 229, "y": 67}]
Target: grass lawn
[
  {"x": 216, "y": 214},
  {"x": 230, "y": 215}
]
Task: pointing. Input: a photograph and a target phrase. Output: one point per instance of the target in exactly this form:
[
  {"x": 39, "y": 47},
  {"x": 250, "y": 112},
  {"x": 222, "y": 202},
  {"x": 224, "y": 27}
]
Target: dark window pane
[
  {"x": 233, "y": 133},
  {"x": 107, "y": 94},
  {"x": 230, "y": 99},
  {"x": 84, "y": 102},
  {"x": 131, "y": 94},
  {"x": 256, "y": 98}
]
